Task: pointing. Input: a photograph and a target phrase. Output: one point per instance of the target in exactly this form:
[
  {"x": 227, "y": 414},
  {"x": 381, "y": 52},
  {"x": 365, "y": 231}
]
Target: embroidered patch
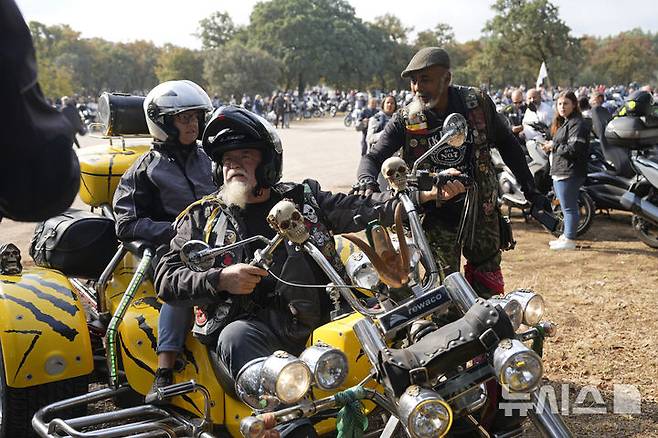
[
  {"x": 413, "y": 142},
  {"x": 200, "y": 316},
  {"x": 227, "y": 258},
  {"x": 309, "y": 213},
  {"x": 230, "y": 237}
]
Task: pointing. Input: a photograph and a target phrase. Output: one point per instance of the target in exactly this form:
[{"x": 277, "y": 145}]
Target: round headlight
[
  {"x": 252, "y": 427},
  {"x": 425, "y": 413},
  {"x": 285, "y": 377},
  {"x": 361, "y": 271},
  {"x": 532, "y": 304},
  {"x": 512, "y": 309},
  {"x": 518, "y": 368},
  {"x": 328, "y": 365}
]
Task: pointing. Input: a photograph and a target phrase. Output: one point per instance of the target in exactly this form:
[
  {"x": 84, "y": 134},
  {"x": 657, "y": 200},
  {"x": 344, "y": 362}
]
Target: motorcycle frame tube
[
  {"x": 105, "y": 277},
  {"x": 460, "y": 291},
  {"x": 337, "y": 280},
  {"x": 419, "y": 236},
  {"x": 127, "y": 297},
  {"x": 548, "y": 423}
]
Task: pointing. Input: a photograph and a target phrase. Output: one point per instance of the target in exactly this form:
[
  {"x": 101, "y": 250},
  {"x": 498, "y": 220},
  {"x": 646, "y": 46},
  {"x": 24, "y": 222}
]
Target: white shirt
[{"x": 543, "y": 114}]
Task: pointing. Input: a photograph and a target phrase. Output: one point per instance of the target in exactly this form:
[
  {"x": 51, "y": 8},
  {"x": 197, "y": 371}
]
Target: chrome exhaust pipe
[
  {"x": 548, "y": 423},
  {"x": 640, "y": 206}
]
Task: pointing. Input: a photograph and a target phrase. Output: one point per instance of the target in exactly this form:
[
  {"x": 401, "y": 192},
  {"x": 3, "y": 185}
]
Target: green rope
[{"x": 351, "y": 419}]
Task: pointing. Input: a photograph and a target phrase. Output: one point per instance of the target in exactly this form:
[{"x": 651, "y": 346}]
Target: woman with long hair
[{"x": 568, "y": 157}]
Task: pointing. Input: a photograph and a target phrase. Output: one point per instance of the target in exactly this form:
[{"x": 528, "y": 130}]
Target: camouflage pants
[{"x": 482, "y": 252}]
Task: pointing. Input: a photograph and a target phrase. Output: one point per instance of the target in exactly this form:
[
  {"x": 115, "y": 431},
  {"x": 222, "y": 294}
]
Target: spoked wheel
[
  {"x": 646, "y": 231},
  {"x": 586, "y": 209}
]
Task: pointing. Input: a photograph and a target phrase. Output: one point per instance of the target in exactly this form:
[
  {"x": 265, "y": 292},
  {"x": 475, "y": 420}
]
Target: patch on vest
[{"x": 446, "y": 155}]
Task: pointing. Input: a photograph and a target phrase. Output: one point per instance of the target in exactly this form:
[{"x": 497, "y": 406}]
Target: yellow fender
[{"x": 43, "y": 329}]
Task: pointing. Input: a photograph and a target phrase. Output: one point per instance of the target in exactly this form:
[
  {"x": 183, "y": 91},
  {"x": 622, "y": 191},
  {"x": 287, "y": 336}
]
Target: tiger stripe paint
[{"x": 43, "y": 329}]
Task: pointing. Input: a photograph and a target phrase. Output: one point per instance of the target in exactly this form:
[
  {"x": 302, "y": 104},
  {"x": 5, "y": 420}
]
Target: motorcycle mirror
[
  {"x": 455, "y": 128},
  {"x": 192, "y": 256},
  {"x": 454, "y": 134}
]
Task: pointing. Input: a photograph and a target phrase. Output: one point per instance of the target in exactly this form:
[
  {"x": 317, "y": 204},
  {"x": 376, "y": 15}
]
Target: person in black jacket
[
  {"x": 39, "y": 171},
  {"x": 159, "y": 185},
  {"x": 450, "y": 227},
  {"x": 568, "y": 156}
]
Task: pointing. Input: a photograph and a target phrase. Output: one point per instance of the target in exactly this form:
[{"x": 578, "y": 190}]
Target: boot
[{"x": 163, "y": 377}]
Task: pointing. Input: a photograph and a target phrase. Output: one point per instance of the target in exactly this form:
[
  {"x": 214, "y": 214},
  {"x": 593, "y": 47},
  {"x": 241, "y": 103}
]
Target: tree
[
  {"x": 236, "y": 69},
  {"x": 216, "y": 30},
  {"x": 179, "y": 63},
  {"x": 316, "y": 40},
  {"x": 627, "y": 57},
  {"x": 393, "y": 27},
  {"x": 441, "y": 36},
  {"x": 525, "y": 33}
]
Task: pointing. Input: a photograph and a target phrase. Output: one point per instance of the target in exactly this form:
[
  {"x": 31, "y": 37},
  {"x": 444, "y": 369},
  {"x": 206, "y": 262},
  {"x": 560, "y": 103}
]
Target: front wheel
[
  {"x": 348, "y": 120},
  {"x": 646, "y": 231},
  {"x": 586, "y": 209},
  {"x": 18, "y": 405}
]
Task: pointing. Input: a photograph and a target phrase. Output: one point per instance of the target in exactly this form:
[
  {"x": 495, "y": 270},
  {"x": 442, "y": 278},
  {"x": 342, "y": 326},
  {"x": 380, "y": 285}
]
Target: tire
[
  {"x": 347, "y": 121},
  {"x": 18, "y": 405},
  {"x": 318, "y": 113},
  {"x": 645, "y": 231},
  {"x": 586, "y": 207}
]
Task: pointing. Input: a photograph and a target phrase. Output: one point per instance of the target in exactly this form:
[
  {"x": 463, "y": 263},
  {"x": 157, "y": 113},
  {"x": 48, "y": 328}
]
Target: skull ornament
[
  {"x": 395, "y": 170},
  {"x": 309, "y": 213},
  {"x": 10, "y": 259},
  {"x": 287, "y": 220}
]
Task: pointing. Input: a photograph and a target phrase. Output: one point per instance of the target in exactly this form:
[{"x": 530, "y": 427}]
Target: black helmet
[
  {"x": 638, "y": 104},
  {"x": 233, "y": 127}
]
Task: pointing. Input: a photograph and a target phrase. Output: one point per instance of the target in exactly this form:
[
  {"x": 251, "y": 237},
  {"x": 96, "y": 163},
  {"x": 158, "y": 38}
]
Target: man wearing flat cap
[{"x": 451, "y": 227}]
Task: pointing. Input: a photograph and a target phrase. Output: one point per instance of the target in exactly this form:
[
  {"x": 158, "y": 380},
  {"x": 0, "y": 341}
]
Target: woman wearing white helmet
[{"x": 161, "y": 184}]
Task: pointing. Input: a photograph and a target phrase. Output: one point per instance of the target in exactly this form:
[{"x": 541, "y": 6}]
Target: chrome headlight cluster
[
  {"x": 266, "y": 382},
  {"x": 512, "y": 308},
  {"x": 327, "y": 364},
  {"x": 424, "y": 413},
  {"x": 532, "y": 304},
  {"x": 361, "y": 271},
  {"x": 263, "y": 382},
  {"x": 518, "y": 368}
]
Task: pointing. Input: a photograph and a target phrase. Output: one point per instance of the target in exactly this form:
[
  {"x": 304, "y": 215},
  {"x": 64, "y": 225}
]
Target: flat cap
[{"x": 427, "y": 57}]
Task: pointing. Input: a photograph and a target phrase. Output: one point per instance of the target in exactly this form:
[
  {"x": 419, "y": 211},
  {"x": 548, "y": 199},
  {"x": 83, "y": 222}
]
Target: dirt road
[{"x": 602, "y": 295}]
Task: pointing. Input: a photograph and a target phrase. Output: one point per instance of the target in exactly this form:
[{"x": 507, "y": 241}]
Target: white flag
[{"x": 543, "y": 74}]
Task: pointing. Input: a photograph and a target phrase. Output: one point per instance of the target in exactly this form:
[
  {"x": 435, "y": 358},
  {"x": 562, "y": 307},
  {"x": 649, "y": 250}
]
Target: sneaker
[
  {"x": 562, "y": 238},
  {"x": 163, "y": 377},
  {"x": 564, "y": 244}
]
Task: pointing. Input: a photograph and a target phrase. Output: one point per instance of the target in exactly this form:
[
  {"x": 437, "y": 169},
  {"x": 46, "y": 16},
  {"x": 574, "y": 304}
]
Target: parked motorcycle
[
  {"x": 352, "y": 117},
  {"x": 511, "y": 196},
  {"x": 640, "y": 136}
]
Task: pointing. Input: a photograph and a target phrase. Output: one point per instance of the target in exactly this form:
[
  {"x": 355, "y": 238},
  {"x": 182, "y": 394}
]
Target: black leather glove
[
  {"x": 364, "y": 185},
  {"x": 541, "y": 209}
]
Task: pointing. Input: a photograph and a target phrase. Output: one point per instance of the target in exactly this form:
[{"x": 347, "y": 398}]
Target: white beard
[{"x": 235, "y": 193}]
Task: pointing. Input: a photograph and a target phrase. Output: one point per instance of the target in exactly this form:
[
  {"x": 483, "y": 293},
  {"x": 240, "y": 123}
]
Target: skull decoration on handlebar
[{"x": 287, "y": 220}]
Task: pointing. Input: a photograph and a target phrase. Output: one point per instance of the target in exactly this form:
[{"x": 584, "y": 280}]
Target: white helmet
[{"x": 170, "y": 98}]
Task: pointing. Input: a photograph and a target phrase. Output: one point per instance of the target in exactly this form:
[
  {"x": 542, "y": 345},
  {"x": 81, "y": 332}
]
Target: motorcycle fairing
[
  {"x": 648, "y": 169},
  {"x": 43, "y": 329}
]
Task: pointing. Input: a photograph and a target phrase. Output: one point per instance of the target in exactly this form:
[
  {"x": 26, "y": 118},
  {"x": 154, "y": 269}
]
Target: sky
[{"x": 175, "y": 21}]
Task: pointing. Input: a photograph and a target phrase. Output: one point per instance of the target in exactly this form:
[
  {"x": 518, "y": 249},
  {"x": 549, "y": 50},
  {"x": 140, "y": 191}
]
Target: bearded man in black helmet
[
  {"x": 243, "y": 312},
  {"x": 469, "y": 224}
]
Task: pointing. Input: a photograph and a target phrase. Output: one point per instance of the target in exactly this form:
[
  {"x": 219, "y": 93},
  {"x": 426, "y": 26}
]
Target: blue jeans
[
  {"x": 173, "y": 326},
  {"x": 567, "y": 191}
]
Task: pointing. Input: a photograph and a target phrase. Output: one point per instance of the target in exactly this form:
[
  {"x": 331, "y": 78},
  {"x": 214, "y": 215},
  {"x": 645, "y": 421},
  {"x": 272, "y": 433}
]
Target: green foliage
[
  {"x": 180, "y": 63},
  {"x": 522, "y": 35},
  {"x": 316, "y": 40},
  {"x": 216, "y": 30},
  {"x": 294, "y": 43},
  {"x": 236, "y": 69}
]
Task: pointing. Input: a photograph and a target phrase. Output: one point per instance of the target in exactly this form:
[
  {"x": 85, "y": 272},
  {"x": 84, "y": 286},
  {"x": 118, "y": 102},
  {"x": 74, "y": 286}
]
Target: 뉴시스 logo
[{"x": 626, "y": 399}]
